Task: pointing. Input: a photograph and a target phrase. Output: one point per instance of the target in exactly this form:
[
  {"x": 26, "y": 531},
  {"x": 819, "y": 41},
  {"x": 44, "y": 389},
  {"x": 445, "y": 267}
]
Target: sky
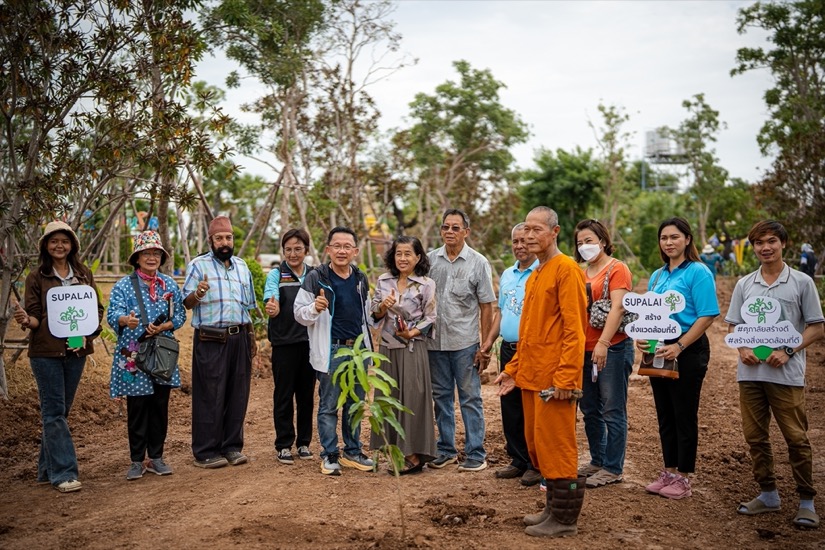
[{"x": 560, "y": 59}]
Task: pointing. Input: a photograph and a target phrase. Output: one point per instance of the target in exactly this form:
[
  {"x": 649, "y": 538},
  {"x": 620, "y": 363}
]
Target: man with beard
[{"x": 219, "y": 290}]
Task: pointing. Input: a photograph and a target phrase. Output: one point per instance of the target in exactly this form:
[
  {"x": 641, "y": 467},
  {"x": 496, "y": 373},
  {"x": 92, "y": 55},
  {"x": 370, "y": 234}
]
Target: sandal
[
  {"x": 410, "y": 468},
  {"x": 806, "y": 518},
  {"x": 755, "y": 507}
]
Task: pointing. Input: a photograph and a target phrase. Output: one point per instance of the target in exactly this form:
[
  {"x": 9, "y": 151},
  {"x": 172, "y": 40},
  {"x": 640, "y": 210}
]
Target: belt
[
  {"x": 338, "y": 342},
  {"x": 234, "y": 329},
  {"x": 509, "y": 345}
]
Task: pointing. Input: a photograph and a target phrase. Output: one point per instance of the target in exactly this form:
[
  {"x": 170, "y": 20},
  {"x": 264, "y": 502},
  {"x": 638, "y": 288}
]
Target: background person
[
  {"x": 147, "y": 398},
  {"x": 219, "y": 291},
  {"x": 712, "y": 259},
  {"x": 808, "y": 260},
  {"x": 677, "y": 401},
  {"x": 291, "y": 370},
  {"x": 465, "y": 296},
  {"x": 57, "y": 368},
  {"x": 510, "y": 303},
  {"x": 404, "y": 307},
  {"x": 604, "y": 404}
]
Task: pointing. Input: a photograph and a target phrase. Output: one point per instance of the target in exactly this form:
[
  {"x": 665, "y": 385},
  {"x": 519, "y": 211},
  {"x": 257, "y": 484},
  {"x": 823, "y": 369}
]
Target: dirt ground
[{"x": 265, "y": 504}]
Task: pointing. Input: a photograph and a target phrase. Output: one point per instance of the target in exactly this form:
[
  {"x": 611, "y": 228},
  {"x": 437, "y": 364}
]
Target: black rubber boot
[{"x": 565, "y": 497}]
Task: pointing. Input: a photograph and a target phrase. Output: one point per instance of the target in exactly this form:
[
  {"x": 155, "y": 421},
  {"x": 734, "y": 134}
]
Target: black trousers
[
  {"x": 677, "y": 407},
  {"x": 512, "y": 418},
  {"x": 294, "y": 384},
  {"x": 221, "y": 375},
  {"x": 147, "y": 419}
]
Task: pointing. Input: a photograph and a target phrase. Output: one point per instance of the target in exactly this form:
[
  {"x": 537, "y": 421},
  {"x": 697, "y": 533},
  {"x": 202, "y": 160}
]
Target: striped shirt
[{"x": 231, "y": 294}]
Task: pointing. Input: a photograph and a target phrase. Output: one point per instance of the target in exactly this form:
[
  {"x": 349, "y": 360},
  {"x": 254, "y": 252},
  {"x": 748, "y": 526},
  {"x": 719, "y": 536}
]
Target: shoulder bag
[
  {"x": 600, "y": 309},
  {"x": 157, "y": 356}
]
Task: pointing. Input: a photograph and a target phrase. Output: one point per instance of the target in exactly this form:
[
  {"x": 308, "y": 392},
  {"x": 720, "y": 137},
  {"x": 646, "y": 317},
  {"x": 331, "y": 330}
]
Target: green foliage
[
  {"x": 649, "y": 247},
  {"x": 258, "y": 283},
  {"x": 363, "y": 369},
  {"x": 567, "y": 182}
]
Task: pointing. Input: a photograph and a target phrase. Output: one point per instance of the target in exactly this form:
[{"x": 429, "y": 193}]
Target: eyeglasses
[
  {"x": 152, "y": 253},
  {"x": 453, "y": 228},
  {"x": 344, "y": 247},
  {"x": 291, "y": 251}
]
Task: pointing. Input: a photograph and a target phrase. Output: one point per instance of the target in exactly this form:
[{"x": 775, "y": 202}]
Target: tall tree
[
  {"x": 793, "y": 189},
  {"x": 460, "y": 145}
]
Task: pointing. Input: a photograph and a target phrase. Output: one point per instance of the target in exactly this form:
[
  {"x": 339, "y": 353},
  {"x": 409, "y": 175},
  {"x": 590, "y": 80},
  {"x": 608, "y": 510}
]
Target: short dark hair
[
  {"x": 423, "y": 265},
  {"x": 456, "y": 212},
  {"x": 342, "y": 229},
  {"x": 684, "y": 227},
  {"x": 601, "y": 232},
  {"x": 296, "y": 233},
  {"x": 773, "y": 227}
]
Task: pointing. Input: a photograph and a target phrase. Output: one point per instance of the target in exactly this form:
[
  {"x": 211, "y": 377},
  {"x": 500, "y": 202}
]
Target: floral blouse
[
  {"x": 416, "y": 305},
  {"x": 126, "y": 379}
]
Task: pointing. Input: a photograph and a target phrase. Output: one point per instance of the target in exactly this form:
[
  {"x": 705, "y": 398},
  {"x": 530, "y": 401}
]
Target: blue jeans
[
  {"x": 57, "y": 380},
  {"x": 604, "y": 406},
  {"x": 448, "y": 370},
  {"x": 328, "y": 412}
]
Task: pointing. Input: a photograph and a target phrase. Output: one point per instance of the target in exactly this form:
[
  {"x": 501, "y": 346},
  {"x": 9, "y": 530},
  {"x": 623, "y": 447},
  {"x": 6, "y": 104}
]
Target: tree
[
  {"x": 567, "y": 182},
  {"x": 459, "y": 146},
  {"x": 792, "y": 190},
  {"x": 695, "y": 135}
]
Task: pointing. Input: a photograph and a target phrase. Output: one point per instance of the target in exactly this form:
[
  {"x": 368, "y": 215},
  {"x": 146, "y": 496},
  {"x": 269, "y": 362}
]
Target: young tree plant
[{"x": 363, "y": 369}]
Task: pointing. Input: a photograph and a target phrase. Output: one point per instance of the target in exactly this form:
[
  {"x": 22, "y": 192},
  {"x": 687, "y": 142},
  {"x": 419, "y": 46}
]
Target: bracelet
[
  {"x": 681, "y": 346},
  {"x": 604, "y": 342},
  {"x": 198, "y": 297}
]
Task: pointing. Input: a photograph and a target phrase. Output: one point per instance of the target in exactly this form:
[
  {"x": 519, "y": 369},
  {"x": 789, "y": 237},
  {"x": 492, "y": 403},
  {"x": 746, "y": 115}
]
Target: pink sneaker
[
  {"x": 678, "y": 488},
  {"x": 665, "y": 479}
]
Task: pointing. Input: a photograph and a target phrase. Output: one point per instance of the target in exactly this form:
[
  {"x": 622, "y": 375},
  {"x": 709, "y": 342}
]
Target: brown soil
[{"x": 268, "y": 505}]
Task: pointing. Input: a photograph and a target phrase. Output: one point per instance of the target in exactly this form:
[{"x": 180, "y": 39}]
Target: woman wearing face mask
[
  {"x": 610, "y": 352},
  {"x": 677, "y": 401}
]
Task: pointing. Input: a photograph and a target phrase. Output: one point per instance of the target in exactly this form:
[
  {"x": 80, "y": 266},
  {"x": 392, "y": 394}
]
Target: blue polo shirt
[
  {"x": 511, "y": 298},
  {"x": 695, "y": 282}
]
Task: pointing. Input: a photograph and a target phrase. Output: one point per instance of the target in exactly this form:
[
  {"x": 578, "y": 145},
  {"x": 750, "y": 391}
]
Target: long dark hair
[
  {"x": 423, "y": 265},
  {"x": 691, "y": 254},
  {"x": 47, "y": 265}
]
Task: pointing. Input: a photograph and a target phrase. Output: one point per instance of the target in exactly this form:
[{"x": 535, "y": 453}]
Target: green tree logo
[
  {"x": 760, "y": 308},
  {"x": 673, "y": 300},
  {"x": 71, "y": 316}
]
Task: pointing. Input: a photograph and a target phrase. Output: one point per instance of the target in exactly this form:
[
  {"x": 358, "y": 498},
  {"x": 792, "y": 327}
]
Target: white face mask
[{"x": 589, "y": 251}]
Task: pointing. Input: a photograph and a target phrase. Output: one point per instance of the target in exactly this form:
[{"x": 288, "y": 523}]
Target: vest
[{"x": 284, "y": 329}]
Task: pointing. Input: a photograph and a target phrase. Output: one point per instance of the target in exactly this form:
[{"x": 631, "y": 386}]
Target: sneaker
[
  {"x": 359, "y": 462},
  {"x": 68, "y": 486},
  {"x": 509, "y": 472},
  {"x": 236, "y": 458},
  {"x": 530, "y": 477},
  {"x": 602, "y": 478},
  {"x": 543, "y": 485},
  {"x": 589, "y": 470},
  {"x": 665, "y": 479},
  {"x": 211, "y": 463},
  {"x": 159, "y": 467},
  {"x": 136, "y": 471},
  {"x": 330, "y": 466},
  {"x": 442, "y": 461},
  {"x": 471, "y": 465},
  {"x": 677, "y": 489},
  {"x": 285, "y": 456},
  {"x": 304, "y": 453}
]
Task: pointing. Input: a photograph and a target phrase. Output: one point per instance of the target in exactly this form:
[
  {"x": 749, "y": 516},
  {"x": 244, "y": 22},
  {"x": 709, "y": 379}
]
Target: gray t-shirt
[
  {"x": 799, "y": 299},
  {"x": 460, "y": 286}
]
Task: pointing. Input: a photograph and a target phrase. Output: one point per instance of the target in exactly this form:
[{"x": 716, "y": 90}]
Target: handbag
[
  {"x": 156, "y": 356},
  {"x": 670, "y": 369},
  {"x": 600, "y": 309}
]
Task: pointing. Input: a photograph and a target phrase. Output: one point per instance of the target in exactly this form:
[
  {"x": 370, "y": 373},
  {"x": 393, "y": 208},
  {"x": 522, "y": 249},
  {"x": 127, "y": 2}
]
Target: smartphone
[{"x": 594, "y": 373}]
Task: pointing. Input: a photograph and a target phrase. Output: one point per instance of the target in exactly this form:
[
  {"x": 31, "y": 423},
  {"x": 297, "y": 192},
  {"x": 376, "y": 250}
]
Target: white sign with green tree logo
[
  {"x": 654, "y": 310},
  {"x": 762, "y": 330},
  {"x": 72, "y": 312}
]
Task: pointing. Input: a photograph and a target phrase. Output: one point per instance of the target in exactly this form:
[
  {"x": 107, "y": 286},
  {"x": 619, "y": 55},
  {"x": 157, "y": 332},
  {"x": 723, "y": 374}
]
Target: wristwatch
[
  {"x": 789, "y": 350},
  {"x": 681, "y": 346}
]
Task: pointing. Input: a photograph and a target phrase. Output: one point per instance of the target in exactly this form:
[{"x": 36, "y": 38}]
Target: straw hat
[
  {"x": 707, "y": 250},
  {"x": 56, "y": 226}
]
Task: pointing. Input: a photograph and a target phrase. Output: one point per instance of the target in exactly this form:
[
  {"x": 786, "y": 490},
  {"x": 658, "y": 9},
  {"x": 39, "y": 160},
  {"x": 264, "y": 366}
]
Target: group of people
[{"x": 435, "y": 316}]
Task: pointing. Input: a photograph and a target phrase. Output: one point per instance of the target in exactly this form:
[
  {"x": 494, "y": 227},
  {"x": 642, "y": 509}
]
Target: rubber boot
[
  {"x": 541, "y": 517},
  {"x": 565, "y": 505}
]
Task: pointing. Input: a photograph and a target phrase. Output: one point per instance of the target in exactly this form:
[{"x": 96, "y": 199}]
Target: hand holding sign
[{"x": 763, "y": 332}]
